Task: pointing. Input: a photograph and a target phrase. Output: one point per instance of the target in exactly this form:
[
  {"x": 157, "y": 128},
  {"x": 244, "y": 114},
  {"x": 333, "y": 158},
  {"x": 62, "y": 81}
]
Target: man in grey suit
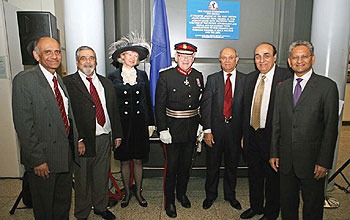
[
  {"x": 96, "y": 130},
  {"x": 222, "y": 121},
  {"x": 304, "y": 134},
  {"x": 46, "y": 131}
]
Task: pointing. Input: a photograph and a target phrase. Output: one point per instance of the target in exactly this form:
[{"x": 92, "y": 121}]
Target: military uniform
[{"x": 177, "y": 109}]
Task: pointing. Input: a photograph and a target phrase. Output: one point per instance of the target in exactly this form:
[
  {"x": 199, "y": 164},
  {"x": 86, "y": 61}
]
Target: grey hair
[
  {"x": 83, "y": 48},
  {"x": 36, "y": 48},
  {"x": 306, "y": 43},
  {"x": 228, "y": 48}
]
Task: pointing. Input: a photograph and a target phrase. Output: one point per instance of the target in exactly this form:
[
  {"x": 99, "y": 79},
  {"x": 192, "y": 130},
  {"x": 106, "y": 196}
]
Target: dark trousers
[
  {"x": 312, "y": 192},
  {"x": 263, "y": 180},
  {"x": 224, "y": 146},
  {"x": 91, "y": 179},
  {"x": 178, "y": 164},
  {"x": 51, "y": 197}
]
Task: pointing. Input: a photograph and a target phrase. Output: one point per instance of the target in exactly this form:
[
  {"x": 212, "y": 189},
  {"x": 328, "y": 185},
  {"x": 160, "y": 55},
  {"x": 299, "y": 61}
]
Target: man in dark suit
[
  {"x": 179, "y": 90},
  {"x": 46, "y": 131},
  {"x": 304, "y": 134},
  {"x": 98, "y": 123},
  {"x": 222, "y": 120},
  {"x": 263, "y": 181}
]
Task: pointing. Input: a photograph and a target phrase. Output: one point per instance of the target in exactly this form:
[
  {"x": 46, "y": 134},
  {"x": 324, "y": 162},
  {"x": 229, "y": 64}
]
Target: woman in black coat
[{"x": 135, "y": 108}]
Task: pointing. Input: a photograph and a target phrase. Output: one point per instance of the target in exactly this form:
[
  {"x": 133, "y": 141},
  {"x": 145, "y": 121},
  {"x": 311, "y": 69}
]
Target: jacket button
[
  {"x": 137, "y": 92},
  {"x": 126, "y": 102},
  {"x": 174, "y": 90},
  {"x": 125, "y": 92},
  {"x": 126, "y": 113},
  {"x": 138, "y": 112},
  {"x": 189, "y": 96},
  {"x": 137, "y": 102}
]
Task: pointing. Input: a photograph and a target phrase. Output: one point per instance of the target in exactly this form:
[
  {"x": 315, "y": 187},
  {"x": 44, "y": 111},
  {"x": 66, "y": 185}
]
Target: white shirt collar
[{"x": 49, "y": 76}]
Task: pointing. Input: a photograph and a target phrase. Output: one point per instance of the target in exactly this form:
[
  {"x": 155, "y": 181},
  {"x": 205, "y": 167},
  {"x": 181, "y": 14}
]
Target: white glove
[{"x": 165, "y": 136}]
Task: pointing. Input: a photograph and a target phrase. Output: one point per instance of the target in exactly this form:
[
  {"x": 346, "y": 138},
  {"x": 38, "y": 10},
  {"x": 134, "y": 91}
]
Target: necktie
[
  {"x": 297, "y": 91},
  {"x": 255, "y": 120},
  {"x": 228, "y": 97},
  {"x": 60, "y": 103},
  {"x": 100, "y": 115}
]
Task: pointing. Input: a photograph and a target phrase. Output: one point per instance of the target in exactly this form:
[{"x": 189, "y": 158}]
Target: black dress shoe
[
  {"x": 125, "y": 201},
  {"x": 142, "y": 201},
  {"x": 249, "y": 213},
  {"x": 207, "y": 203},
  {"x": 105, "y": 214},
  {"x": 235, "y": 204},
  {"x": 171, "y": 210},
  {"x": 185, "y": 202}
]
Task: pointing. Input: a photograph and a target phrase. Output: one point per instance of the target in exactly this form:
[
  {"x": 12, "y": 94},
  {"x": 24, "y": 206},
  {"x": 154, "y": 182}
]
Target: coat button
[
  {"x": 126, "y": 102},
  {"x": 174, "y": 90},
  {"x": 190, "y": 106},
  {"x": 137, "y": 102},
  {"x": 125, "y": 92},
  {"x": 126, "y": 113},
  {"x": 138, "y": 112},
  {"x": 137, "y": 92},
  {"x": 189, "y": 96}
]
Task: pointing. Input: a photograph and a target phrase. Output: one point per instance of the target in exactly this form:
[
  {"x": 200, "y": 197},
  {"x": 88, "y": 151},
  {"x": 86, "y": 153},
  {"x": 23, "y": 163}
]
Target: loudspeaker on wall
[{"x": 32, "y": 25}]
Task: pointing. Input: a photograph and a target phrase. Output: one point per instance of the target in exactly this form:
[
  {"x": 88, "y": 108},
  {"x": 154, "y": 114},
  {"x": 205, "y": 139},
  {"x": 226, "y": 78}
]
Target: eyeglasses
[
  {"x": 303, "y": 57},
  {"x": 84, "y": 58}
]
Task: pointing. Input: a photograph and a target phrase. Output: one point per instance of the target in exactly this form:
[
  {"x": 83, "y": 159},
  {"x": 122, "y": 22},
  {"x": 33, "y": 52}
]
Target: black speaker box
[{"x": 32, "y": 25}]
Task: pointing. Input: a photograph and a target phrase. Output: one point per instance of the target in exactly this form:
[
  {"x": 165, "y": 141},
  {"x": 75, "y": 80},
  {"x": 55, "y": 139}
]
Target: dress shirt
[
  {"x": 305, "y": 78},
  {"x": 266, "y": 96},
  {"x": 232, "y": 79},
  {"x": 49, "y": 77},
  {"x": 106, "y": 129}
]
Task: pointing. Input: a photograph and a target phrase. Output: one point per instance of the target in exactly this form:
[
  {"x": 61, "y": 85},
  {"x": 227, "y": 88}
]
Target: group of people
[{"x": 285, "y": 124}]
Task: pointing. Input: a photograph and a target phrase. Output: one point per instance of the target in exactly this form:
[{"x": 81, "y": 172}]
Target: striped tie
[
  {"x": 100, "y": 115},
  {"x": 60, "y": 103}
]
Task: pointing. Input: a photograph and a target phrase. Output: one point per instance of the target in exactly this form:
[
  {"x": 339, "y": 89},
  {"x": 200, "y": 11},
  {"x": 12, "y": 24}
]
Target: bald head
[
  {"x": 47, "y": 52},
  {"x": 228, "y": 59}
]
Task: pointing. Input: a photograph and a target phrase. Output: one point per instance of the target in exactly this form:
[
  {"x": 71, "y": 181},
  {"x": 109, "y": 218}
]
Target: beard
[{"x": 87, "y": 70}]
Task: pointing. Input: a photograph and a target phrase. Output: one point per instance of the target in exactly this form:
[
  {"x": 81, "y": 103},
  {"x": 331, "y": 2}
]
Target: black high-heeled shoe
[
  {"x": 125, "y": 201},
  {"x": 142, "y": 201}
]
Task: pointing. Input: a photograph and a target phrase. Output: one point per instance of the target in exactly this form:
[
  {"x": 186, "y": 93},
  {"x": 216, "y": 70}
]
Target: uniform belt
[{"x": 182, "y": 114}]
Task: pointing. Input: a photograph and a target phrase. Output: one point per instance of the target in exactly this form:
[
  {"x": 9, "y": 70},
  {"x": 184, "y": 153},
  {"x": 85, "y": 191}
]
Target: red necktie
[
  {"x": 100, "y": 115},
  {"x": 60, "y": 103},
  {"x": 228, "y": 97}
]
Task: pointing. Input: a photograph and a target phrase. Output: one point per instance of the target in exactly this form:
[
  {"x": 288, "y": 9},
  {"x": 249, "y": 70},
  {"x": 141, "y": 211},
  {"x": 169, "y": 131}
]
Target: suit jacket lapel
[
  {"x": 277, "y": 78},
  {"x": 238, "y": 87},
  {"x": 78, "y": 82},
  {"x": 221, "y": 88},
  {"x": 251, "y": 91},
  {"x": 309, "y": 88},
  {"x": 50, "y": 98}
]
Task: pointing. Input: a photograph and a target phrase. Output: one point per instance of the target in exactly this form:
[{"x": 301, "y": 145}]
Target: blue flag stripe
[{"x": 160, "y": 55}]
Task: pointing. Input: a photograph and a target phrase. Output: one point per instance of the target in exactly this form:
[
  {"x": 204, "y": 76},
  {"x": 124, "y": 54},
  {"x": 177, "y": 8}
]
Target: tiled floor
[{"x": 10, "y": 188}]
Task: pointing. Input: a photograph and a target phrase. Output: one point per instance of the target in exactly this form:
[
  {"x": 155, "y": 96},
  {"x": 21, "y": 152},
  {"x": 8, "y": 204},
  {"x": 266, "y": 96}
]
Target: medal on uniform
[{"x": 186, "y": 82}]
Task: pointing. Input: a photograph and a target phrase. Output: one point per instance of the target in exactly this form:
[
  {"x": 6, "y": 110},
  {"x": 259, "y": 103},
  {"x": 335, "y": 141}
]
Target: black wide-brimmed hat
[{"x": 131, "y": 42}]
